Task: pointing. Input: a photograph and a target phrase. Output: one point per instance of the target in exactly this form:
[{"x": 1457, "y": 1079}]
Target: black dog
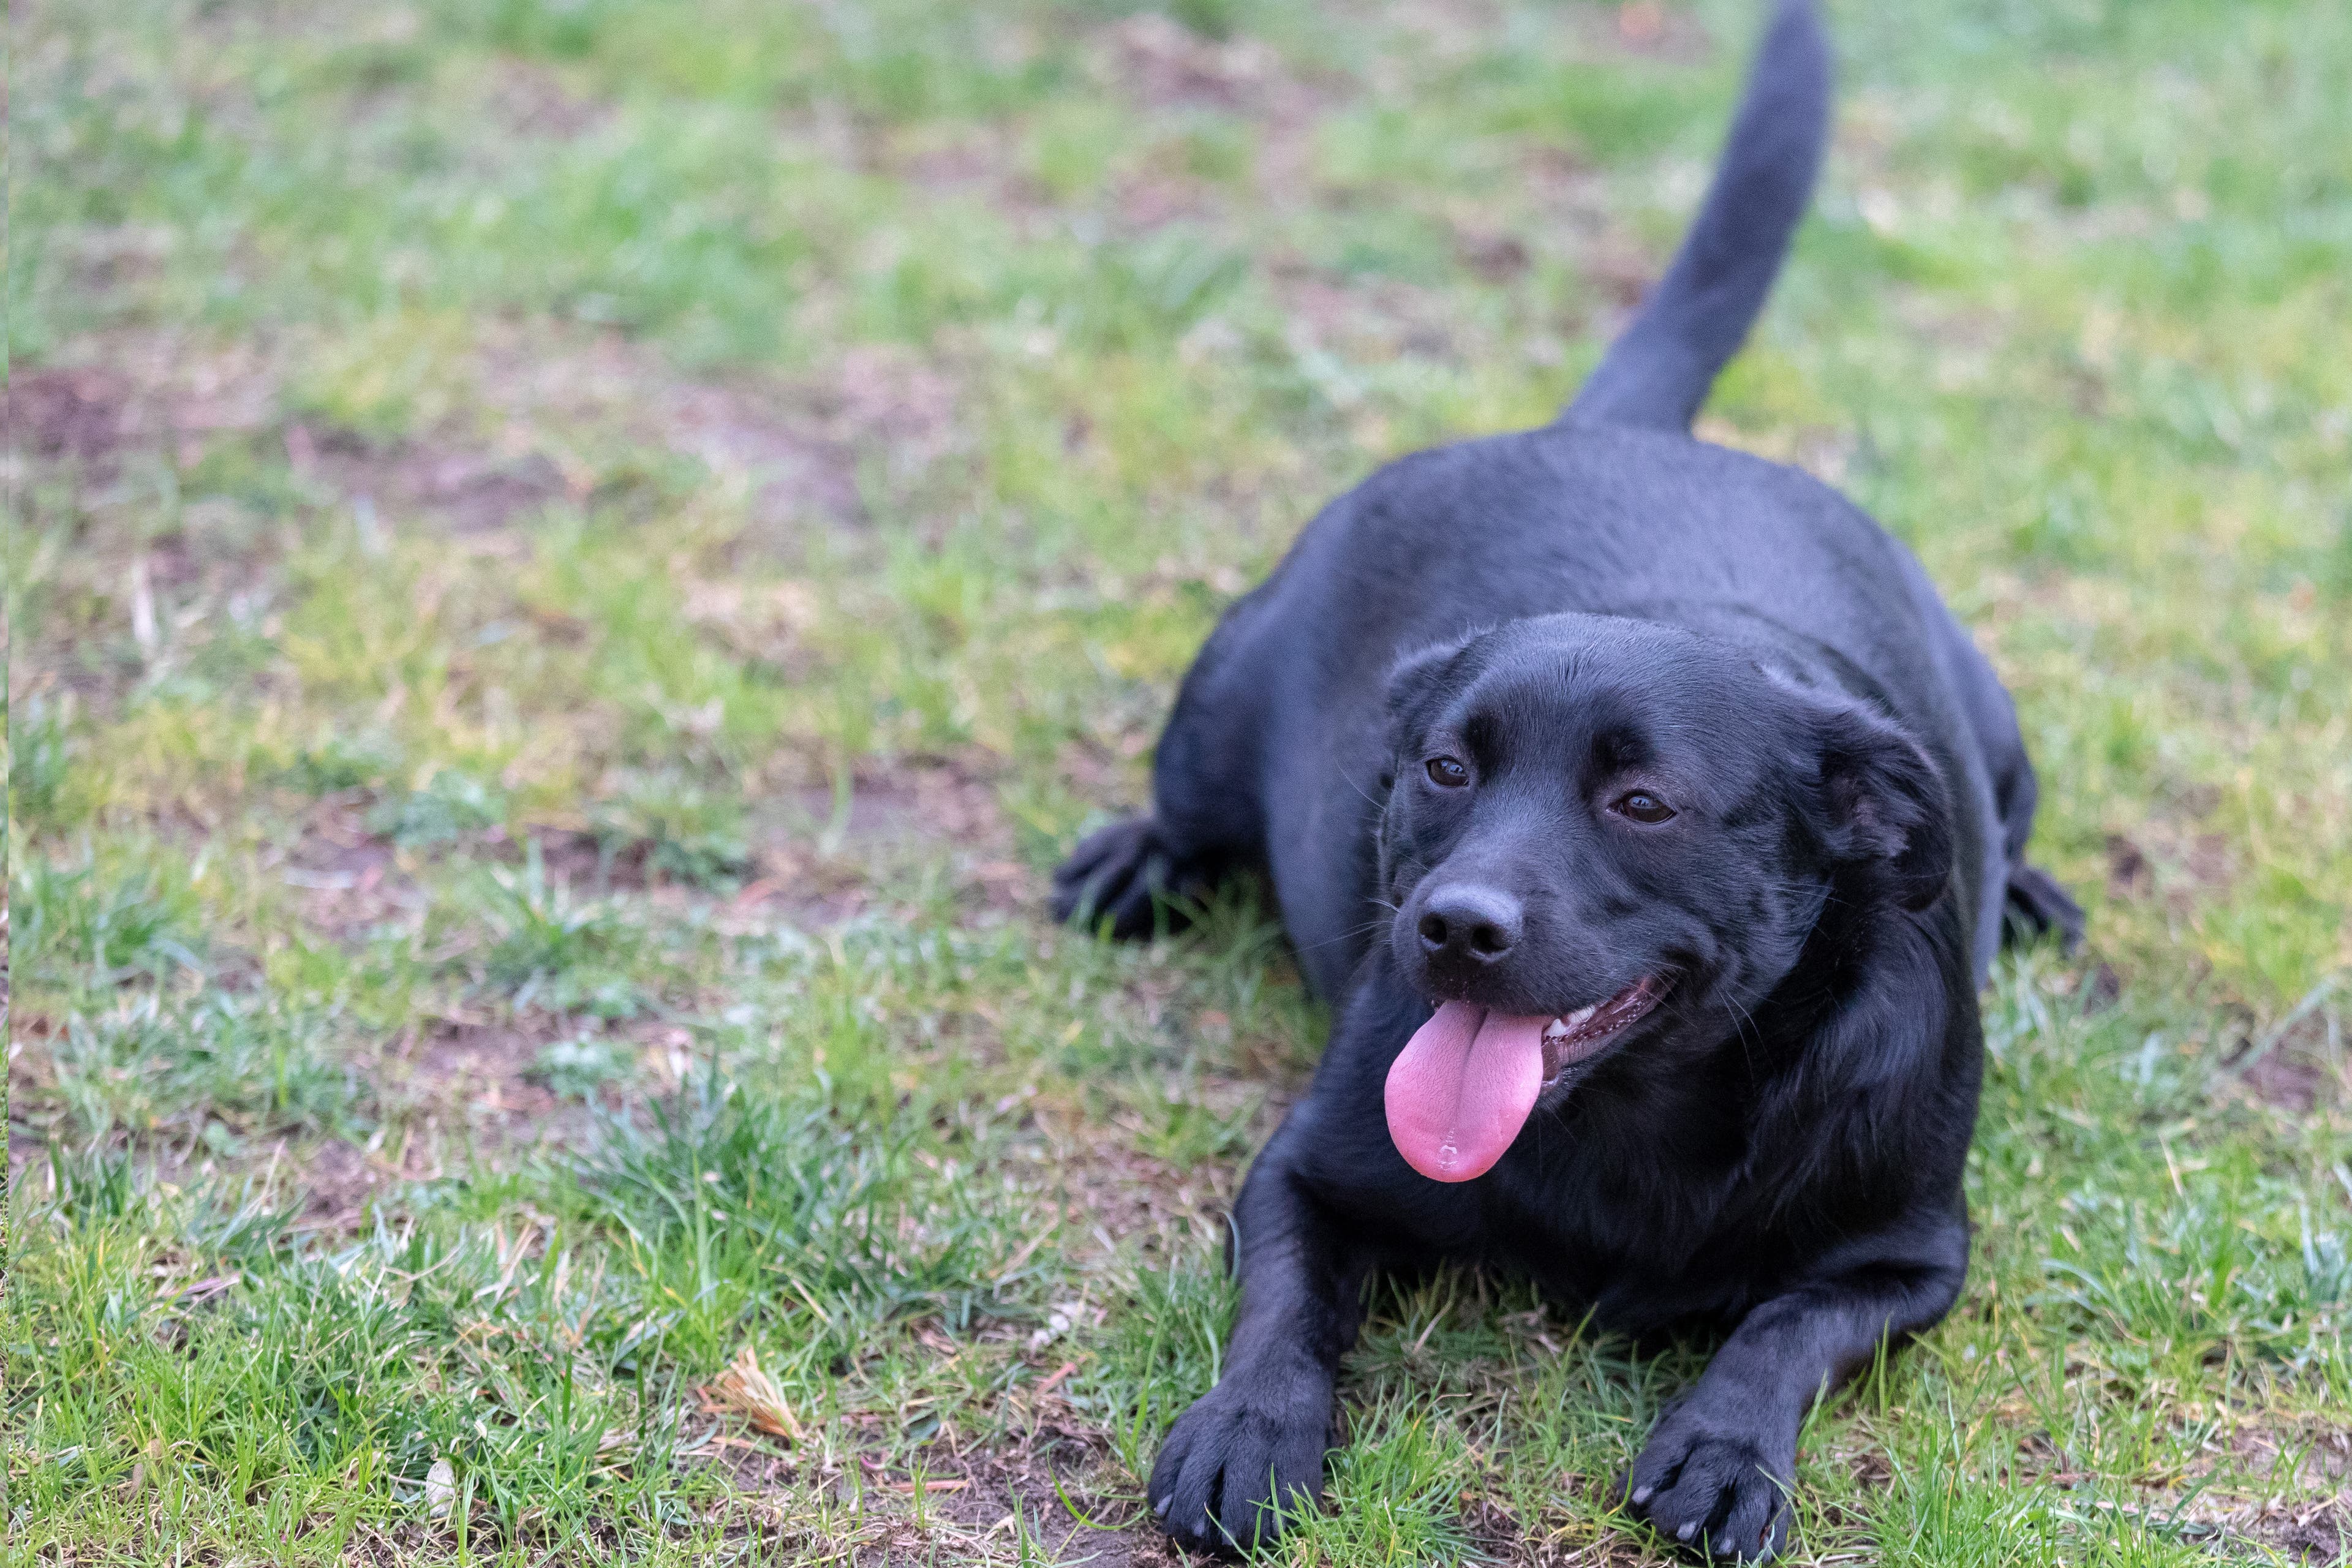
[{"x": 1690, "y": 816}]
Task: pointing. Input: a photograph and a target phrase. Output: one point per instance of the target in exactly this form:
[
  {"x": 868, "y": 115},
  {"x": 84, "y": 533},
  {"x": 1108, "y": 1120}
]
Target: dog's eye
[
  {"x": 1447, "y": 773},
  {"x": 1643, "y": 806}
]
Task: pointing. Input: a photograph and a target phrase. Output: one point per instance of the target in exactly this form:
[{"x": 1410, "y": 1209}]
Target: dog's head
[{"x": 1601, "y": 832}]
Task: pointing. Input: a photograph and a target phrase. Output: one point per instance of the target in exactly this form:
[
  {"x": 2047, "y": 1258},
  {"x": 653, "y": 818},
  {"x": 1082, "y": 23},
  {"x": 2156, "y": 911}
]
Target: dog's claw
[
  {"x": 1713, "y": 1490},
  {"x": 1271, "y": 1431}
]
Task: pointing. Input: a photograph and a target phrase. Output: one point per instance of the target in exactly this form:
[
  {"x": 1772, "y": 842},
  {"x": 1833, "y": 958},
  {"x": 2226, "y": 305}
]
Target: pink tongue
[{"x": 1462, "y": 1089}]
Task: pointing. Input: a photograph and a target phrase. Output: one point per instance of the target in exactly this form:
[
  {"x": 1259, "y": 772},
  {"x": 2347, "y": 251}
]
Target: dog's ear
[
  {"x": 1417, "y": 680},
  {"x": 1883, "y": 800}
]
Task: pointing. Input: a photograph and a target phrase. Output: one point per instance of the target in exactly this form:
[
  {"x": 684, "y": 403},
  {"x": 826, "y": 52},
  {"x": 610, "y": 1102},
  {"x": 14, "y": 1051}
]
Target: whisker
[
  {"x": 1376, "y": 803},
  {"x": 1367, "y": 928}
]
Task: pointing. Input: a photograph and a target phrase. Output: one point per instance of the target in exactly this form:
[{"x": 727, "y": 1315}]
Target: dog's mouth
[
  {"x": 1575, "y": 1037},
  {"x": 1466, "y": 1083}
]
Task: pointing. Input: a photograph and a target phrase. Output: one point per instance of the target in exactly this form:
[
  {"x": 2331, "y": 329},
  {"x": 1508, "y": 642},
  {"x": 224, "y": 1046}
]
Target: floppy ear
[
  {"x": 1417, "y": 683},
  {"x": 1885, "y": 801},
  {"x": 1416, "y": 680}
]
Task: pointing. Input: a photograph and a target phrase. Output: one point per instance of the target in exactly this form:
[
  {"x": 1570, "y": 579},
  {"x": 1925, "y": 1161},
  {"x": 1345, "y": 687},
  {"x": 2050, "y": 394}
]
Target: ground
[{"x": 576, "y": 561}]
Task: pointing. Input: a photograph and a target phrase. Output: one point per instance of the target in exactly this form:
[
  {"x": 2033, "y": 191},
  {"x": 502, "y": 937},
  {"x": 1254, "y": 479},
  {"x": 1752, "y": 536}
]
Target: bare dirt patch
[
  {"x": 1005, "y": 1492},
  {"x": 550, "y": 409},
  {"x": 1154, "y": 59},
  {"x": 350, "y": 881},
  {"x": 594, "y": 861},
  {"x": 2160, "y": 860},
  {"x": 531, "y": 100},
  {"x": 2288, "y": 1081},
  {"x": 798, "y": 452},
  {"x": 1119, "y": 1193},
  {"x": 107, "y": 395},
  {"x": 1366, "y": 319},
  {"x": 1648, "y": 27},
  {"x": 981, "y": 163},
  {"x": 1051, "y": 1485},
  {"x": 477, "y": 1078},
  {"x": 913, "y": 801},
  {"x": 467, "y": 490},
  {"x": 337, "y": 1179},
  {"x": 828, "y": 859},
  {"x": 1155, "y": 62},
  {"x": 2310, "y": 1531},
  {"x": 83, "y": 413},
  {"x": 2303, "y": 1508},
  {"x": 2298, "y": 1064}
]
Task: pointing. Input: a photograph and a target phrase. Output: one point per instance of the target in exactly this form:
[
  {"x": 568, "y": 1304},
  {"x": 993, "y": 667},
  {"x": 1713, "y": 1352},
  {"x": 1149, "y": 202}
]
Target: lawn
[{"x": 575, "y": 563}]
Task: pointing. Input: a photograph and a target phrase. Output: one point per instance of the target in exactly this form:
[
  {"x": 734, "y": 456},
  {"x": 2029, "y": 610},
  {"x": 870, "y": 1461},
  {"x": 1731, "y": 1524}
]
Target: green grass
[{"x": 574, "y": 564}]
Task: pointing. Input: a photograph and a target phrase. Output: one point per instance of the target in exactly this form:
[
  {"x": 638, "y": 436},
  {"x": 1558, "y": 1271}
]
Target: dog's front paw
[
  {"x": 1714, "y": 1486},
  {"x": 1234, "y": 1462}
]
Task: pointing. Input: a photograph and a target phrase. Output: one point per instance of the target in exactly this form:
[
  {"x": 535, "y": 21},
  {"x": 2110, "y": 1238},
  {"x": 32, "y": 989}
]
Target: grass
[{"x": 574, "y": 564}]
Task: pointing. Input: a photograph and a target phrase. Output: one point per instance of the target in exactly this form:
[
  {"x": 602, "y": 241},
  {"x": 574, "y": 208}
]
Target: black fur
[{"x": 1569, "y": 616}]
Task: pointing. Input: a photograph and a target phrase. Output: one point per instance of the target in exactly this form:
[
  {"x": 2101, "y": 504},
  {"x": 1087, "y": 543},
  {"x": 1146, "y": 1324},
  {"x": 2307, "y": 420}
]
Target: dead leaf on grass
[
  {"x": 745, "y": 1388},
  {"x": 440, "y": 1489}
]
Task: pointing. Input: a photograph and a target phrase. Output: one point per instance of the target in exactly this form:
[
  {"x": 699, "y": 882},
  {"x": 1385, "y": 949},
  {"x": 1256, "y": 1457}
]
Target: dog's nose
[{"x": 1479, "y": 924}]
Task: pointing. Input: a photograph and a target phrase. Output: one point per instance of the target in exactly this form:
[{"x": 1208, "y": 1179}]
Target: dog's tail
[{"x": 1658, "y": 372}]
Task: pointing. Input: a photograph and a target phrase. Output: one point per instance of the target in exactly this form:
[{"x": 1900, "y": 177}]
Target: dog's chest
[{"x": 1640, "y": 1254}]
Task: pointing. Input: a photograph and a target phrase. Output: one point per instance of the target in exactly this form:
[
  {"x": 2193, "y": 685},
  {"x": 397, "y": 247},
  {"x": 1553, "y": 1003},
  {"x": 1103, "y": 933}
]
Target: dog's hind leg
[
  {"x": 2034, "y": 903},
  {"x": 2039, "y": 904},
  {"x": 1127, "y": 879},
  {"x": 1138, "y": 875}
]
